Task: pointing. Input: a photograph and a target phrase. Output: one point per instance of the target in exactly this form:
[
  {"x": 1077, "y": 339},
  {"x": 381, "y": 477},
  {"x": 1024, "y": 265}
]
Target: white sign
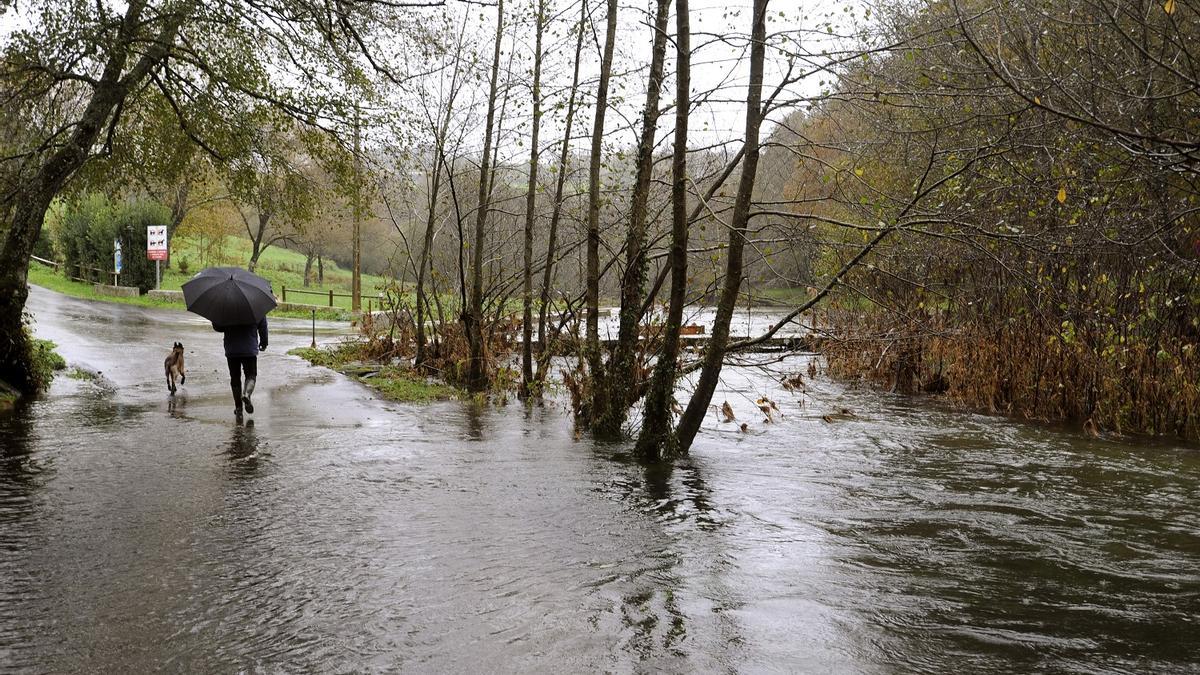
[
  {"x": 117, "y": 256},
  {"x": 156, "y": 242}
]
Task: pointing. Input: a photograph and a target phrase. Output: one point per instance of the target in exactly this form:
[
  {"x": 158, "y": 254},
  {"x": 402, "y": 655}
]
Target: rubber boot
[
  {"x": 246, "y": 396},
  {"x": 237, "y": 398}
]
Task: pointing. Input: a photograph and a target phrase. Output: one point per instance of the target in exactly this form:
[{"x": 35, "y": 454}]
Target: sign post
[
  {"x": 156, "y": 250},
  {"x": 117, "y": 262}
]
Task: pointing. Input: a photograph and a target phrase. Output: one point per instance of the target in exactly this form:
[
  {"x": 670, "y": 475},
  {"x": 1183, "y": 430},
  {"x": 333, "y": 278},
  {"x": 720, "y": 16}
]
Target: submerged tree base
[{"x": 392, "y": 382}]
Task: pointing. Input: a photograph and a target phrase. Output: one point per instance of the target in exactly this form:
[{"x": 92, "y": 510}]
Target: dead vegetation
[{"x": 1110, "y": 381}]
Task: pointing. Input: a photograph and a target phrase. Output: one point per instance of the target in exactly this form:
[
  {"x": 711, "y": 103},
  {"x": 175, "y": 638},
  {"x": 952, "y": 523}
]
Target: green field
[
  {"x": 283, "y": 268},
  {"x": 46, "y": 277}
]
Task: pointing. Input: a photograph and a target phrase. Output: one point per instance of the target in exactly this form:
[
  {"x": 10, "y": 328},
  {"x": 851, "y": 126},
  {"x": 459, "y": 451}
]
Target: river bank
[{"x": 392, "y": 381}]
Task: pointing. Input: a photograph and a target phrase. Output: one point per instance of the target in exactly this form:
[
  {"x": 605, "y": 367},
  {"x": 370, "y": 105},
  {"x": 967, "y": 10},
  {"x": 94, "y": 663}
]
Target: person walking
[
  {"x": 242, "y": 345},
  {"x": 236, "y": 302}
]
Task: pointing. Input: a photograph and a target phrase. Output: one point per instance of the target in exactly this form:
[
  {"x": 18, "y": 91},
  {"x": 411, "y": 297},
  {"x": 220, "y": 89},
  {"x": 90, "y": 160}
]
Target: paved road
[{"x": 126, "y": 344}]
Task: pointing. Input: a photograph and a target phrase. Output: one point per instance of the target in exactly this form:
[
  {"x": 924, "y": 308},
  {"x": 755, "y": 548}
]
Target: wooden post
[
  {"x": 285, "y": 293},
  {"x": 331, "y": 297},
  {"x": 356, "y": 277}
]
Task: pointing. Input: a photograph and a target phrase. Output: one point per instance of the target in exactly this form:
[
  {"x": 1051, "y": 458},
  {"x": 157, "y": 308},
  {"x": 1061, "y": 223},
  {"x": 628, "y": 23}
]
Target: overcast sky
[{"x": 719, "y": 67}]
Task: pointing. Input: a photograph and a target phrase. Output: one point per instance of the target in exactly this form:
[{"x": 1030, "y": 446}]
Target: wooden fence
[
  {"x": 330, "y": 295},
  {"x": 84, "y": 273}
]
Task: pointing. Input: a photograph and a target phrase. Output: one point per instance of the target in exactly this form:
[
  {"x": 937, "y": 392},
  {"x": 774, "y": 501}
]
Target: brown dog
[{"x": 174, "y": 367}]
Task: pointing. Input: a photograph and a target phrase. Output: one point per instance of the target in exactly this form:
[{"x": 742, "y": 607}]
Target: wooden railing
[
  {"x": 284, "y": 290},
  {"x": 84, "y": 273}
]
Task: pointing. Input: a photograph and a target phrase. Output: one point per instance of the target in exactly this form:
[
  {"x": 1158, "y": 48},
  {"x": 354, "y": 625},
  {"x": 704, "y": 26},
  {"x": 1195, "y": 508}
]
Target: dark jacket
[{"x": 244, "y": 341}]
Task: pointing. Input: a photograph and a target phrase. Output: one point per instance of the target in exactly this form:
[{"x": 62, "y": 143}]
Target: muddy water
[{"x": 339, "y": 533}]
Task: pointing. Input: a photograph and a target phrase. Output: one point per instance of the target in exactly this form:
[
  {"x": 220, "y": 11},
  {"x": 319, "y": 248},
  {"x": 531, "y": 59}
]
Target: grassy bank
[
  {"x": 779, "y": 297},
  {"x": 391, "y": 382},
  {"x": 46, "y": 277},
  {"x": 46, "y": 364}
]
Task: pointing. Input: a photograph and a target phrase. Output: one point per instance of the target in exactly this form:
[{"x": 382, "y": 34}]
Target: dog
[{"x": 173, "y": 366}]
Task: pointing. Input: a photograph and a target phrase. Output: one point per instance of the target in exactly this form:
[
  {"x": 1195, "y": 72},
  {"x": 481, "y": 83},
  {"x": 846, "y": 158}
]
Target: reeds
[{"x": 1127, "y": 382}]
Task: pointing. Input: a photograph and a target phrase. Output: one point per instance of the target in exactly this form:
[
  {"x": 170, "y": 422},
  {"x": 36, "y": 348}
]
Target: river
[{"x": 339, "y": 533}]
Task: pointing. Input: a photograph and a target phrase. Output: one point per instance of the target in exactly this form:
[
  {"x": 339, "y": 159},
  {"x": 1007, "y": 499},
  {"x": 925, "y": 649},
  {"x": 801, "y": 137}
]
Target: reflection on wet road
[{"x": 341, "y": 533}]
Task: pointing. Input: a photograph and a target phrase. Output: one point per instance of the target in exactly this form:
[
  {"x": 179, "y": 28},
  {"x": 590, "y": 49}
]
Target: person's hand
[{"x": 262, "y": 347}]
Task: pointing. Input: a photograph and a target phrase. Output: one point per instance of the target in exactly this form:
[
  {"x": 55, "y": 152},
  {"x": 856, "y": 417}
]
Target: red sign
[{"x": 156, "y": 242}]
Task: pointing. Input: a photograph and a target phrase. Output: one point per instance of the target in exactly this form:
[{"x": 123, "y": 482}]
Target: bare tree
[
  {"x": 614, "y": 389},
  {"x": 531, "y": 207},
  {"x": 557, "y": 208},
  {"x": 656, "y": 439},
  {"x": 472, "y": 316},
  {"x": 592, "y": 347},
  {"x": 697, "y": 408}
]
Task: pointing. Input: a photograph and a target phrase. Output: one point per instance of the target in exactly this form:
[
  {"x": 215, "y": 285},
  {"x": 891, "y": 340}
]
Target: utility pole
[{"x": 356, "y": 284}]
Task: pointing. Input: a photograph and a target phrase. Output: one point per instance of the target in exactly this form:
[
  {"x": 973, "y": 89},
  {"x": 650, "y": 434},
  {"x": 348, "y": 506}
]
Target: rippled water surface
[{"x": 339, "y": 533}]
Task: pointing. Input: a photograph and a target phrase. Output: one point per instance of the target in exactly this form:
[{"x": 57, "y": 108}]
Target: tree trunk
[
  {"x": 620, "y": 380},
  {"x": 592, "y": 348},
  {"x": 423, "y": 262},
  {"x": 179, "y": 211},
  {"x": 308, "y": 268},
  {"x": 530, "y": 206},
  {"x": 477, "y": 376},
  {"x": 356, "y": 239},
  {"x": 35, "y": 196},
  {"x": 256, "y": 239},
  {"x": 555, "y": 216},
  {"x": 320, "y": 270},
  {"x": 656, "y": 439},
  {"x": 435, "y": 188},
  {"x": 15, "y": 364},
  {"x": 714, "y": 356}
]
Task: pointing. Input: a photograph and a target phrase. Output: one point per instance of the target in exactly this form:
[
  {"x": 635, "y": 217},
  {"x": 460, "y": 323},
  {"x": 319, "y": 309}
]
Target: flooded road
[{"x": 340, "y": 533}]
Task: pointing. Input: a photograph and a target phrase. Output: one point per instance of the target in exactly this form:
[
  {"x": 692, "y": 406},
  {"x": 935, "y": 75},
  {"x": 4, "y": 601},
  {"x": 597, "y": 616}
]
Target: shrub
[
  {"x": 79, "y": 233},
  {"x": 90, "y": 225},
  {"x": 45, "y": 361}
]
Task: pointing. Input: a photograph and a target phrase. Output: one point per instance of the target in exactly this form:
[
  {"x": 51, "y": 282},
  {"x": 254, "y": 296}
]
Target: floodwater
[{"x": 344, "y": 534}]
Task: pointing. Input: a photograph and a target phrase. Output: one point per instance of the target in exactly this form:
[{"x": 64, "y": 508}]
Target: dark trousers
[{"x": 237, "y": 366}]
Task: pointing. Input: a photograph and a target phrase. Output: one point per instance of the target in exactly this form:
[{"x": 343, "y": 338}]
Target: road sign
[
  {"x": 117, "y": 256},
  {"x": 156, "y": 242}
]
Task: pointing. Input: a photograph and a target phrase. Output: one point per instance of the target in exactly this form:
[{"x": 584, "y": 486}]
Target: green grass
[
  {"x": 46, "y": 361},
  {"x": 393, "y": 384},
  {"x": 781, "y": 297},
  {"x": 405, "y": 387},
  {"x": 46, "y": 277},
  {"x": 81, "y": 374},
  {"x": 283, "y": 268}
]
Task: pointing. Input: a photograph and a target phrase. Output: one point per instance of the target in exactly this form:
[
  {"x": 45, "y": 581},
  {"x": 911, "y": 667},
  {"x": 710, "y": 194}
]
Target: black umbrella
[{"x": 229, "y": 296}]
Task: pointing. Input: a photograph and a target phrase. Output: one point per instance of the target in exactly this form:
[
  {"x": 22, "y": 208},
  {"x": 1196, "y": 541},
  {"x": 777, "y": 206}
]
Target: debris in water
[
  {"x": 844, "y": 413},
  {"x": 793, "y": 382},
  {"x": 768, "y": 408},
  {"x": 727, "y": 412}
]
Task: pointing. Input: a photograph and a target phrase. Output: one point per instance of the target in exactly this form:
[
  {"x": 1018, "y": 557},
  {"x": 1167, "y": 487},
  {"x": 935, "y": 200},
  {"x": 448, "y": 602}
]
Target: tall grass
[{"x": 1029, "y": 367}]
